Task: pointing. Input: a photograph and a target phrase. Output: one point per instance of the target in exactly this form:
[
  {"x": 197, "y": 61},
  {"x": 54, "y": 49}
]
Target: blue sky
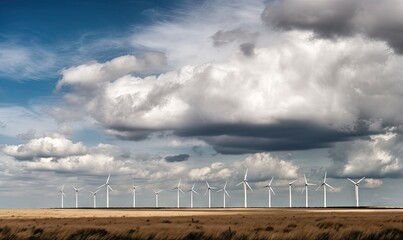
[{"x": 157, "y": 91}]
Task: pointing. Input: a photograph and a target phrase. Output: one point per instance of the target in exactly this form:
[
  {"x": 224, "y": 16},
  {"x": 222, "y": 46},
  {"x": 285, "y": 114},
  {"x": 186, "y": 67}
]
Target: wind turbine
[
  {"x": 289, "y": 188},
  {"x": 245, "y": 183},
  {"x": 356, "y": 184},
  {"x": 224, "y": 190},
  {"x": 107, "y": 190},
  {"x": 324, "y": 185},
  {"x": 62, "y": 195},
  {"x": 156, "y": 197},
  {"x": 270, "y": 189},
  {"x": 134, "y": 195},
  {"x": 209, "y": 193},
  {"x": 77, "y": 189},
  {"x": 192, "y": 190},
  {"x": 95, "y": 197},
  {"x": 306, "y": 190},
  {"x": 178, "y": 189}
]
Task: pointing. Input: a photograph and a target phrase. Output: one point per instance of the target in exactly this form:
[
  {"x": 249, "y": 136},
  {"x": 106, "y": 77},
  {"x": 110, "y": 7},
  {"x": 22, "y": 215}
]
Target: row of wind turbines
[{"x": 244, "y": 182}]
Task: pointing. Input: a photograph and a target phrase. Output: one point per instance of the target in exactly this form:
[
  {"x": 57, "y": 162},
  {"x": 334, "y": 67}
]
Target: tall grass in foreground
[{"x": 257, "y": 226}]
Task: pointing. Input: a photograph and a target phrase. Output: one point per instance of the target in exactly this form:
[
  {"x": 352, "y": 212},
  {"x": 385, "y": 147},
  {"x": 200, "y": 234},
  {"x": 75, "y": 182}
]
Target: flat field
[{"x": 255, "y": 223}]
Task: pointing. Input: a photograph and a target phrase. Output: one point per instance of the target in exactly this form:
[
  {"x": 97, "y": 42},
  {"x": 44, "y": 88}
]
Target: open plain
[{"x": 254, "y": 223}]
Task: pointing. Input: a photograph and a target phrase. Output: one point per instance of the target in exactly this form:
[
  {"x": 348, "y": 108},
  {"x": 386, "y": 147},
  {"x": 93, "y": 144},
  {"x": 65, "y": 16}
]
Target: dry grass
[{"x": 202, "y": 224}]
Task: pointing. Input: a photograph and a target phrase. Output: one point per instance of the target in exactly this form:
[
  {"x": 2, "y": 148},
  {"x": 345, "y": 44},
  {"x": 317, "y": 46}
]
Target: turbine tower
[
  {"x": 77, "y": 189},
  {"x": 209, "y": 193},
  {"x": 134, "y": 195},
  {"x": 245, "y": 184},
  {"x": 179, "y": 190},
  {"x": 192, "y": 190},
  {"x": 306, "y": 190},
  {"x": 324, "y": 185},
  {"x": 356, "y": 184},
  {"x": 62, "y": 195},
  {"x": 289, "y": 188},
  {"x": 224, "y": 190},
  {"x": 156, "y": 197},
  {"x": 270, "y": 189},
  {"x": 107, "y": 190},
  {"x": 95, "y": 197}
]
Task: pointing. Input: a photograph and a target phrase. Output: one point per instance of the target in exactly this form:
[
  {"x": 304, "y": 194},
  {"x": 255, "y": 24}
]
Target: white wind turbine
[
  {"x": 156, "y": 197},
  {"x": 209, "y": 193},
  {"x": 245, "y": 183},
  {"x": 324, "y": 185},
  {"x": 224, "y": 190},
  {"x": 289, "y": 188},
  {"x": 179, "y": 190},
  {"x": 106, "y": 184},
  {"x": 356, "y": 184},
  {"x": 95, "y": 197},
  {"x": 62, "y": 195},
  {"x": 270, "y": 189},
  {"x": 77, "y": 189},
  {"x": 134, "y": 195},
  {"x": 306, "y": 190},
  {"x": 192, "y": 190}
]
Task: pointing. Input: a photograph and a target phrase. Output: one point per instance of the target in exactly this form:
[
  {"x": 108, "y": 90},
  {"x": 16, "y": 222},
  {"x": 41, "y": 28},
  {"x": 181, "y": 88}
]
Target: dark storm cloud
[
  {"x": 378, "y": 19},
  {"x": 284, "y": 136},
  {"x": 177, "y": 158},
  {"x": 248, "y": 49}
]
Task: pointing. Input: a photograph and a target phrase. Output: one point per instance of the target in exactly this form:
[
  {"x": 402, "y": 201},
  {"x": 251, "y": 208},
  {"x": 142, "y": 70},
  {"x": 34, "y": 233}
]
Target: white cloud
[
  {"x": 45, "y": 147},
  {"x": 21, "y": 62},
  {"x": 377, "y": 156},
  {"x": 373, "y": 183}
]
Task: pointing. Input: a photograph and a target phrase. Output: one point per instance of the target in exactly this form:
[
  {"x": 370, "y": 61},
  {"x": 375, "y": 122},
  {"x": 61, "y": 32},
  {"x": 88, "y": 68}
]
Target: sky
[{"x": 152, "y": 92}]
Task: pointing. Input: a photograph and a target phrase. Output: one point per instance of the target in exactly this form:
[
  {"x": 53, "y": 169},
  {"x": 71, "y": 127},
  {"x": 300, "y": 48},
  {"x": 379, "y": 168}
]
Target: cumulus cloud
[
  {"x": 302, "y": 93},
  {"x": 334, "y": 18},
  {"x": 373, "y": 183},
  {"x": 376, "y": 156},
  {"x": 45, "y": 147},
  {"x": 260, "y": 167}
]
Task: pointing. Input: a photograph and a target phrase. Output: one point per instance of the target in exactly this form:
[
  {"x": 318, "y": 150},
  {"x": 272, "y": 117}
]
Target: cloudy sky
[{"x": 157, "y": 91}]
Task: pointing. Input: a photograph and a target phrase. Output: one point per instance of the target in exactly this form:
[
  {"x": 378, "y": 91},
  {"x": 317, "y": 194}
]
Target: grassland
[{"x": 150, "y": 224}]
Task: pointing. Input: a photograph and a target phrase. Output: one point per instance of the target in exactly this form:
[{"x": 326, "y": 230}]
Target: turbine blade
[
  {"x": 324, "y": 179},
  {"x": 206, "y": 192},
  {"x": 193, "y": 186},
  {"x": 226, "y": 193},
  {"x": 107, "y": 180},
  {"x": 91, "y": 192},
  {"x": 303, "y": 190},
  {"x": 225, "y": 184},
  {"x": 102, "y": 185},
  {"x": 271, "y": 181},
  {"x": 246, "y": 175},
  {"x": 305, "y": 179},
  {"x": 213, "y": 188},
  {"x": 360, "y": 180},
  {"x": 181, "y": 190},
  {"x": 220, "y": 190},
  {"x": 247, "y": 184},
  {"x": 271, "y": 189},
  {"x": 195, "y": 191},
  {"x": 351, "y": 181},
  {"x": 180, "y": 179},
  {"x": 62, "y": 188},
  {"x": 292, "y": 182},
  {"x": 318, "y": 188},
  {"x": 311, "y": 184},
  {"x": 207, "y": 184},
  {"x": 64, "y": 195},
  {"x": 239, "y": 183},
  {"x": 74, "y": 187},
  {"x": 110, "y": 187},
  {"x": 329, "y": 186}
]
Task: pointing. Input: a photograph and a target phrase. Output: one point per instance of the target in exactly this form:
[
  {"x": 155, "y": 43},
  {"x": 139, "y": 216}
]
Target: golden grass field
[{"x": 255, "y": 223}]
